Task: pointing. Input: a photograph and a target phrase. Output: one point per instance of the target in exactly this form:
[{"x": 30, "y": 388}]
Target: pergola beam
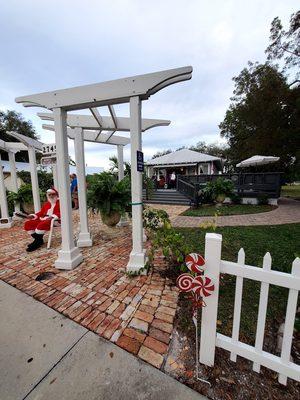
[
  {"x": 93, "y": 136},
  {"x": 106, "y": 93},
  {"x": 89, "y": 122}
]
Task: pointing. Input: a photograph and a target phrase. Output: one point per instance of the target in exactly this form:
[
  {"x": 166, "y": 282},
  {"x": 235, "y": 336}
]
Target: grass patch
[
  {"x": 282, "y": 241},
  {"x": 291, "y": 191},
  {"x": 227, "y": 209}
]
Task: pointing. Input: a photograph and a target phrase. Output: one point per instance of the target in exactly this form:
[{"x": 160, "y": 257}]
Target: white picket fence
[{"x": 210, "y": 338}]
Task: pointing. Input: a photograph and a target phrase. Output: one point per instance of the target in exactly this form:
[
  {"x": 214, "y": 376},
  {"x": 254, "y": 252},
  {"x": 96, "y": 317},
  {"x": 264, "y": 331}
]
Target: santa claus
[{"x": 40, "y": 222}]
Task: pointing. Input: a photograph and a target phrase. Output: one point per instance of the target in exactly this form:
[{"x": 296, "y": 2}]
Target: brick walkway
[
  {"x": 135, "y": 313},
  {"x": 288, "y": 212}
]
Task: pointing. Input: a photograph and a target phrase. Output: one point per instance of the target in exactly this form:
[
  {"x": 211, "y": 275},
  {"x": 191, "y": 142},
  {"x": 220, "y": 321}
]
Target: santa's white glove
[
  {"x": 44, "y": 218},
  {"x": 55, "y": 217}
]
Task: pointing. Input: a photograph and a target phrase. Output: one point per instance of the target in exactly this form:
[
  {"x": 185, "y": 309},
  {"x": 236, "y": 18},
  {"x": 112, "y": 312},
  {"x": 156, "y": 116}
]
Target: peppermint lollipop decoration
[{"x": 195, "y": 262}]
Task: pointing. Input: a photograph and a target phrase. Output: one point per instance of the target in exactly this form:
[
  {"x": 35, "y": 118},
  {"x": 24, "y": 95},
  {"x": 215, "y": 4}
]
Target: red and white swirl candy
[
  {"x": 185, "y": 282},
  {"x": 195, "y": 262},
  {"x": 202, "y": 286}
]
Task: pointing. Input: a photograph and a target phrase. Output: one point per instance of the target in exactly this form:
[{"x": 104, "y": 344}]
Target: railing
[
  {"x": 210, "y": 339},
  {"x": 246, "y": 184},
  {"x": 187, "y": 189}
]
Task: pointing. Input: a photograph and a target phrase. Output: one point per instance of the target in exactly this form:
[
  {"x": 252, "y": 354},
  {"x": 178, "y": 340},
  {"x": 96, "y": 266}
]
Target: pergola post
[
  {"x": 123, "y": 221},
  {"x": 54, "y": 173},
  {"x": 34, "y": 179},
  {"x": 69, "y": 256},
  {"x": 13, "y": 175},
  {"x": 84, "y": 237},
  {"x": 137, "y": 258},
  {"x": 5, "y": 220}
]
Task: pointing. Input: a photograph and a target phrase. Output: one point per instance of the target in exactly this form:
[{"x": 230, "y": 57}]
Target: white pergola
[
  {"x": 132, "y": 90},
  {"x": 11, "y": 148},
  {"x": 82, "y": 128},
  {"x": 32, "y": 146}
]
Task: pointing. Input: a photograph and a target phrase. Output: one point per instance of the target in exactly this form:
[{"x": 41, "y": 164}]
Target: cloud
[{"x": 46, "y": 46}]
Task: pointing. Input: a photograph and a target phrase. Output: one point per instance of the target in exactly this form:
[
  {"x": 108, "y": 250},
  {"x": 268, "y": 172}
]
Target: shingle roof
[{"x": 184, "y": 156}]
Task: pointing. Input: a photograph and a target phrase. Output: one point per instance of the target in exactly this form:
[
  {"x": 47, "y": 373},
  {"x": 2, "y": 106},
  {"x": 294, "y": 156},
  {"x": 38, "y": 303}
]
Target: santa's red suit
[{"x": 42, "y": 219}]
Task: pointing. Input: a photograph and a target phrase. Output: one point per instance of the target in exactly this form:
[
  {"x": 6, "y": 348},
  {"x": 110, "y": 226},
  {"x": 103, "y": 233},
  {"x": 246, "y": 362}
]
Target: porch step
[{"x": 168, "y": 196}]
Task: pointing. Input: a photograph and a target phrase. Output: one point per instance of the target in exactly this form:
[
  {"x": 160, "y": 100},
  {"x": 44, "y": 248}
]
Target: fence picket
[
  {"x": 262, "y": 311},
  {"x": 289, "y": 322},
  {"x": 237, "y": 303}
]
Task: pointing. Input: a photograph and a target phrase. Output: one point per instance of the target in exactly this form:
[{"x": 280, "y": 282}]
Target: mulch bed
[{"x": 229, "y": 380}]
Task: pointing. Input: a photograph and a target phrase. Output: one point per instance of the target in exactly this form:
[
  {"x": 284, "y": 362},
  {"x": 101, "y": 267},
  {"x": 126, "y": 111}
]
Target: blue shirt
[{"x": 73, "y": 184}]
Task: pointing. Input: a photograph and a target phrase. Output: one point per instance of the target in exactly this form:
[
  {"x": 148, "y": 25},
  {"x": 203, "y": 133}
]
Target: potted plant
[
  {"x": 219, "y": 189},
  {"x": 109, "y": 196},
  {"x": 24, "y": 197}
]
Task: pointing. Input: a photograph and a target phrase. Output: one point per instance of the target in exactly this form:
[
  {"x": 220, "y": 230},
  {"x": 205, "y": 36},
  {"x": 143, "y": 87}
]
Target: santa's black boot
[{"x": 37, "y": 243}]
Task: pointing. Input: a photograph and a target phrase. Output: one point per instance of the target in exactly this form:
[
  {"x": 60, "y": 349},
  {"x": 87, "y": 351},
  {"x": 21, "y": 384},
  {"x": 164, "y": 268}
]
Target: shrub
[
  {"x": 106, "y": 194},
  {"x": 155, "y": 219},
  {"x": 219, "y": 187},
  {"x": 24, "y": 195}
]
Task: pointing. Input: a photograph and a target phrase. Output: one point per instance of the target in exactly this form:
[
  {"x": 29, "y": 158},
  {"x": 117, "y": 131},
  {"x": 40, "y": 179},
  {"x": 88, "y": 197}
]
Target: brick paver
[
  {"x": 288, "y": 212},
  {"x": 135, "y": 313}
]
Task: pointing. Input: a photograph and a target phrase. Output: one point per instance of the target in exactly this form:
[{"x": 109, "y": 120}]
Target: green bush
[
  {"x": 164, "y": 238},
  {"x": 155, "y": 219},
  {"x": 106, "y": 194},
  {"x": 45, "y": 179},
  {"x": 219, "y": 187},
  {"x": 24, "y": 195}
]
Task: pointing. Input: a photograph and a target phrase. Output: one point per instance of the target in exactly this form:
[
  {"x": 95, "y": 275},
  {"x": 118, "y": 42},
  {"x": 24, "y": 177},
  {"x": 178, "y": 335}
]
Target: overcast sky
[{"x": 63, "y": 43}]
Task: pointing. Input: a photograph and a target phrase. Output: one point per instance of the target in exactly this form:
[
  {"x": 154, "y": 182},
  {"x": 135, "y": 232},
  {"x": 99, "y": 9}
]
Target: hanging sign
[
  {"x": 140, "y": 161},
  {"x": 49, "y": 148},
  {"x": 45, "y": 161}
]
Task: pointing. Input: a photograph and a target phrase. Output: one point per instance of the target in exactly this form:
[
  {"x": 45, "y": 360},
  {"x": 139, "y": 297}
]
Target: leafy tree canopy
[
  {"x": 13, "y": 121},
  {"x": 285, "y": 44},
  {"x": 263, "y": 117}
]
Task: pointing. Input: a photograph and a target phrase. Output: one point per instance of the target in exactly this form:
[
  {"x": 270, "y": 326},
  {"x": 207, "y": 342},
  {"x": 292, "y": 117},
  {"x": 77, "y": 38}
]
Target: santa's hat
[{"x": 52, "y": 191}]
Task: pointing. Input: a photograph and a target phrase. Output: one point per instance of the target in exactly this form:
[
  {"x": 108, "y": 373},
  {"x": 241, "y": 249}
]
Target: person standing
[{"x": 74, "y": 190}]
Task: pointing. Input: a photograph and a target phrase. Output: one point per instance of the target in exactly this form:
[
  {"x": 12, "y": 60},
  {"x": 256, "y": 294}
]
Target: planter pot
[
  {"x": 112, "y": 219},
  {"x": 220, "y": 198},
  {"x": 28, "y": 208}
]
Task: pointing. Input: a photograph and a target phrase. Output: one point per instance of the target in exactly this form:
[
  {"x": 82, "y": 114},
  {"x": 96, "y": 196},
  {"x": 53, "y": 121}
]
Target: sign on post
[
  {"x": 49, "y": 148},
  {"x": 140, "y": 161}
]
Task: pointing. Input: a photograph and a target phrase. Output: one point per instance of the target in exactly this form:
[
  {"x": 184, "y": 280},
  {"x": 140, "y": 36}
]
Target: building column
[
  {"x": 34, "y": 179},
  {"x": 137, "y": 258},
  {"x": 123, "y": 221},
  {"x": 13, "y": 174},
  {"x": 84, "y": 237},
  {"x": 5, "y": 220},
  {"x": 69, "y": 256}
]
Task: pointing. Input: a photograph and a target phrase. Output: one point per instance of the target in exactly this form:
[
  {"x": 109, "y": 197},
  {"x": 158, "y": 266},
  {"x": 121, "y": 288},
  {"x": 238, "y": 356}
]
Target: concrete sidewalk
[{"x": 45, "y": 356}]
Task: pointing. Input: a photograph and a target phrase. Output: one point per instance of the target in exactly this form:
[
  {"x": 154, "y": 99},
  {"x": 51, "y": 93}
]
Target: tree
[
  {"x": 162, "y": 153},
  {"x": 264, "y": 116},
  {"x": 12, "y": 121},
  {"x": 213, "y": 149},
  {"x": 285, "y": 44}
]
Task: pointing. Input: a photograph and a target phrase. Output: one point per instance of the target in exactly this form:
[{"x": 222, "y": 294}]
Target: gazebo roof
[{"x": 184, "y": 156}]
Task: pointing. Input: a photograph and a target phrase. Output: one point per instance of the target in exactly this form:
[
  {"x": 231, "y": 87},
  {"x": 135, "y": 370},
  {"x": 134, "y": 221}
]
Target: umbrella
[{"x": 257, "y": 160}]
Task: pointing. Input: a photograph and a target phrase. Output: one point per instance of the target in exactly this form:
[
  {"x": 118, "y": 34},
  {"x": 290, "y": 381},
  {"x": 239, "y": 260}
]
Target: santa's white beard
[{"x": 52, "y": 200}]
